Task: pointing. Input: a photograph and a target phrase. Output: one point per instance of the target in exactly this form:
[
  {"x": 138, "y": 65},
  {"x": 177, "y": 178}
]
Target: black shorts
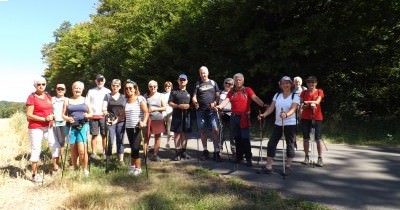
[{"x": 97, "y": 125}]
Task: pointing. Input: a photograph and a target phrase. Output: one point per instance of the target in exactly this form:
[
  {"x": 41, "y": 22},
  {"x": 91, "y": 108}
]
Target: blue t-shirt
[{"x": 205, "y": 92}]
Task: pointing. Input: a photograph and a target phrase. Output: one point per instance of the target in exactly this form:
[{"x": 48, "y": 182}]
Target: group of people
[{"x": 111, "y": 114}]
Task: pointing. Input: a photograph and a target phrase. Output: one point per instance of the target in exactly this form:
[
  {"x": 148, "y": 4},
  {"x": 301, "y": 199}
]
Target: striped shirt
[{"x": 134, "y": 113}]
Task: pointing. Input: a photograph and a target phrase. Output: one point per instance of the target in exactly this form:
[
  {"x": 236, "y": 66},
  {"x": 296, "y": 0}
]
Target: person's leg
[
  {"x": 94, "y": 131},
  {"x": 213, "y": 124},
  {"x": 35, "y": 135},
  {"x": 112, "y": 136},
  {"x": 290, "y": 132},
  {"x": 53, "y": 145},
  {"x": 272, "y": 143},
  {"x": 245, "y": 144},
  {"x": 119, "y": 135},
  {"x": 201, "y": 122},
  {"x": 236, "y": 135},
  {"x": 103, "y": 129},
  {"x": 306, "y": 128},
  {"x": 168, "y": 120}
]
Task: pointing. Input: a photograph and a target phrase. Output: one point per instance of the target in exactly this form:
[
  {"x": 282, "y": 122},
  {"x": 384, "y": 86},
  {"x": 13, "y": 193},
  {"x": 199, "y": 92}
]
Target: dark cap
[
  {"x": 99, "y": 76},
  {"x": 312, "y": 78},
  {"x": 182, "y": 76}
]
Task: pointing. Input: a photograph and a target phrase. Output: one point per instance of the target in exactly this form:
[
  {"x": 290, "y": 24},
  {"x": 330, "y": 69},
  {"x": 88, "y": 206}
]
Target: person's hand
[
  {"x": 196, "y": 105},
  {"x": 49, "y": 117},
  {"x": 184, "y": 106},
  {"x": 217, "y": 108},
  {"x": 142, "y": 124},
  {"x": 283, "y": 115},
  {"x": 260, "y": 116},
  {"x": 313, "y": 106},
  {"x": 71, "y": 120}
]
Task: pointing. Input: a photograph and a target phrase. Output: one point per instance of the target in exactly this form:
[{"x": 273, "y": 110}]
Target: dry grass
[{"x": 170, "y": 186}]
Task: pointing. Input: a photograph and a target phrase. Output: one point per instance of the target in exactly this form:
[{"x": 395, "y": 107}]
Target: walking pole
[
  {"x": 260, "y": 122},
  {"x": 221, "y": 135},
  {"x": 107, "y": 144},
  {"x": 144, "y": 152},
  {"x": 283, "y": 149},
  {"x": 312, "y": 141},
  {"x": 66, "y": 152}
]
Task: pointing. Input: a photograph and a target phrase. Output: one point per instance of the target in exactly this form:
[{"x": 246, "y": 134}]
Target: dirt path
[{"x": 16, "y": 190}]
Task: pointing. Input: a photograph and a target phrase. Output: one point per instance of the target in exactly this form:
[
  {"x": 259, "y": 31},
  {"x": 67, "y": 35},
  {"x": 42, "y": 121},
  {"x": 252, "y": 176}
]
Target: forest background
[{"x": 351, "y": 46}]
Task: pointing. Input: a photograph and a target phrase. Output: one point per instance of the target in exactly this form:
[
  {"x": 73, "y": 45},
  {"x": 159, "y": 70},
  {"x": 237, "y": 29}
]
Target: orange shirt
[{"x": 307, "y": 111}]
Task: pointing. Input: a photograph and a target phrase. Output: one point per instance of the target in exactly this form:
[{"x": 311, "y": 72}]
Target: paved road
[{"x": 354, "y": 177}]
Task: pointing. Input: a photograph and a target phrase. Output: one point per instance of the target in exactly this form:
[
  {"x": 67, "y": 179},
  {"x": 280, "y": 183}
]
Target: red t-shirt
[
  {"x": 307, "y": 111},
  {"x": 41, "y": 107},
  {"x": 240, "y": 100}
]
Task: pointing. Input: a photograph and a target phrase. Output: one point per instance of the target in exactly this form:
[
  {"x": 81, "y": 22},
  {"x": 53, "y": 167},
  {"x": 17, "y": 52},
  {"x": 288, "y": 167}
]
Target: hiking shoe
[
  {"x": 37, "y": 178},
  {"x": 137, "y": 171},
  {"x": 184, "y": 155},
  {"x": 217, "y": 157},
  {"x": 155, "y": 158},
  {"x": 306, "y": 160},
  {"x": 94, "y": 156},
  {"x": 205, "y": 155},
  {"x": 86, "y": 172},
  {"x": 131, "y": 170},
  {"x": 266, "y": 170},
  {"x": 249, "y": 163},
  {"x": 167, "y": 146},
  {"x": 320, "y": 163},
  {"x": 177, "y": 157},
  {"x": 104, "y": 156}
]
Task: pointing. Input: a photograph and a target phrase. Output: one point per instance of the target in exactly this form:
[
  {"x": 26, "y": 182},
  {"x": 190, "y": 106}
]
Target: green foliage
[
  {"x": 351, "y": 46},
  {"x": 7, "y": 109}
]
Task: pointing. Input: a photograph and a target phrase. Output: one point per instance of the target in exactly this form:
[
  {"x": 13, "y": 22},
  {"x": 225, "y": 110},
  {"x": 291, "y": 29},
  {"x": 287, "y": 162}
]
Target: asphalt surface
[{"x": 353, "y": 177}]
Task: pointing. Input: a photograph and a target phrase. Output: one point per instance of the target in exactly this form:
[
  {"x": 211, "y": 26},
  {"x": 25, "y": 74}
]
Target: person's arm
[
  {"x": 89, "y": 113},
  {"x": 105, "y": 105},
  {"x": 145, "y": 110},
  {"x": 268, "y": 111},
  {"x": 256, "y": 99},
  {"x": 163, "y": 105},
  {"x": 292, "y": 110},
  {"x": 222, "y": 104}
]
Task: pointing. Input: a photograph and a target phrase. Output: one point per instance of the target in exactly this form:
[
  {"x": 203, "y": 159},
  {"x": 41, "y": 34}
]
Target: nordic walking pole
[
  {"x": 312, "y": 140},
  {"x": 260, "y": 121},
  {"x": 107, "y": 144},
  {"x": 283, "y": 149},
  {"x": 144, "y": 151},
  {"x": 66, "y": 152},
  {"x": 221, "y": 135}
]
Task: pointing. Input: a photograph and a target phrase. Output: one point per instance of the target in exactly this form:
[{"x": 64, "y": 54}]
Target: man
[
  {"x": 205, "y": 97},
  {"x": 240, "y": 98},
  {"x": 59, "y": 122},
  {"x": 179, "y": 100},
  {"x": 95, "y": 98}
]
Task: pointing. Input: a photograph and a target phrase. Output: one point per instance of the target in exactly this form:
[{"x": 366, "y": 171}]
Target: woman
[
  {"x": 77, "y": 112},
  {"x": 136, "y": 114},
  {"x": 179, "y": 100},
  {"x": 285, "y": 105},
  {"x": 241, "y": 98},
  {"x": 113, "y": 109},
  {"x": 156, "y": 105},
  {"x": 225, "y": 114},
  {"x": 39, "y": 112},
  {"x": 311, "y": 99},
  {"x": 168, "y": 111}
]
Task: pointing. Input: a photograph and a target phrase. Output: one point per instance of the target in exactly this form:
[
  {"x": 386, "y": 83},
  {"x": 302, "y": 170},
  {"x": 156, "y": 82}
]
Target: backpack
[{"x": 242, "y": 91}]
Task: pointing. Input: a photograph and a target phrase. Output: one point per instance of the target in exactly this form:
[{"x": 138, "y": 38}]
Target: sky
[{"x": 25, "y": 26}]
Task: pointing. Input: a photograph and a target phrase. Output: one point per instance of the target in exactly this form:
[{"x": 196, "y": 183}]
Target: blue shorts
[
  {"x": 206, "y": 119},
  {"x": 76, "y": 135}
]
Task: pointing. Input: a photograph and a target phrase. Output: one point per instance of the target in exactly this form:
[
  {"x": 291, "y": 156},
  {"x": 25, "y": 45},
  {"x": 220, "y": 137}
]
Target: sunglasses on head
[
  {"x": 41, "y": 84},
  {"x": 60, "y": 88}
]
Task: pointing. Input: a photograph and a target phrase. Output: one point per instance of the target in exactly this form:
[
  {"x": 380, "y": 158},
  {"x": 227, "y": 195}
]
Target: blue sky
[{"x": 25, "y": 25}]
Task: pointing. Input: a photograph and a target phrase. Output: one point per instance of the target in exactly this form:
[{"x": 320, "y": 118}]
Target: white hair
[
  {"x": 79, "y": 84},
  {"x": 38, "y": 80},
  {"x": 203, "y": 68},
  {"x": 298, "y": 79},
  {"x": 153, "y": 82},
  {"x": 238, "y": 75}
]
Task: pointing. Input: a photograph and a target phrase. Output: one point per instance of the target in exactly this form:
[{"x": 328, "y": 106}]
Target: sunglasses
[
  {"x": 41, "y": 84},
  {"x": 152, "y": 86},
  {"x": 128, "y": 88},
  {"x": 100, "y": 80},
  {"x": 182, "y": 80},
  {"x": 227, "y": 83},
  {"x": 60, "y": 89}
]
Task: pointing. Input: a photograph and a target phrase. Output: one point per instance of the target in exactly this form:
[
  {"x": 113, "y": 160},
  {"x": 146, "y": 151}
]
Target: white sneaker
[
  {"x": 37, "y": 178},
  {"x": 137, "y": 171},
  {"x": 131, "y": 170},
  {"x": 86, "y": 172}
]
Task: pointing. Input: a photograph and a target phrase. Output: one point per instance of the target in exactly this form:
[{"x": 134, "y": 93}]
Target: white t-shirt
[
  {"x": 285, "y": 103},
  {"x": 58, "y": 104},
  {"x": 95, "y": 98}
]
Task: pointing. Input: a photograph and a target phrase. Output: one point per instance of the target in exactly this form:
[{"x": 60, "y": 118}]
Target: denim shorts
[{"x": 206, "y": 119}]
